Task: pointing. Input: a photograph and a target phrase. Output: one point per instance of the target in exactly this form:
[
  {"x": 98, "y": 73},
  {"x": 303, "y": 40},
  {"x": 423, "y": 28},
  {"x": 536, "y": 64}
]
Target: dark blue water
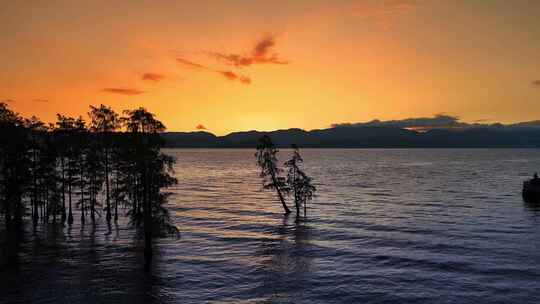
[{"x": 387, "y": 226}]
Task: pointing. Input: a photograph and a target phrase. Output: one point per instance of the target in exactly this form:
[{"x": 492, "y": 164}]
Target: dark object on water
[{"x": 531, "y": 189}]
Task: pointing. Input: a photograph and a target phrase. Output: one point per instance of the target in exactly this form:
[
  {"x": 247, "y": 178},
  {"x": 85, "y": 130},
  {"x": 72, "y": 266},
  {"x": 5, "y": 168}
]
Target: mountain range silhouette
[{"x": 442, "y": 131}]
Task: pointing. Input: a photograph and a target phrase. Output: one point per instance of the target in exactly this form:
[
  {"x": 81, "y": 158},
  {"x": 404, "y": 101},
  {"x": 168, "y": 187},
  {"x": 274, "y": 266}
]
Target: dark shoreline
[
  {"x": 357, "y": 148},
  {"x": 364, "y": 137}
]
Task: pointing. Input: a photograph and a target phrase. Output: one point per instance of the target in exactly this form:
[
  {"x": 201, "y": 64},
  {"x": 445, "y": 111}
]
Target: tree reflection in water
[
  {"x": 285, "y": 274},
  {"x": 81, "y": 264}
]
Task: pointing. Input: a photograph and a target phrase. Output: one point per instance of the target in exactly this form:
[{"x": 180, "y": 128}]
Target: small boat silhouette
[{"x": 531, "y": 190}]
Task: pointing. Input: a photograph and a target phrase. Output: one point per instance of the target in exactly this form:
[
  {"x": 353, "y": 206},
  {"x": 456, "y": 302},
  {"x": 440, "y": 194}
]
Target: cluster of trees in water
[
  {"x": 109, "y": 162},
  {"x": 296, "y": 183}
]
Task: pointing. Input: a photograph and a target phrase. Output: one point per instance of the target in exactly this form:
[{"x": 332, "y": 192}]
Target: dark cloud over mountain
[{"x": 440, "y": 121}]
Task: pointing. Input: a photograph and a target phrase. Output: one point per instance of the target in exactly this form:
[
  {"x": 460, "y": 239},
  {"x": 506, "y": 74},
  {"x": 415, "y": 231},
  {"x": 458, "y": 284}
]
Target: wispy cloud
[
  {"x": 536, "y": 82},
  {"x": 260, "y": 54},
  {"x": 7, "y": 100},
  {"x": 233, "y": 76},
  {"x": 122, "y": 91},
  {"x": 40, "y": 100},
  {"x": 153, "y": 77},
  {"x": 227, "y": 74},
  {"x": 191, "y": 63},
  {"x": 200, "y": 127}
]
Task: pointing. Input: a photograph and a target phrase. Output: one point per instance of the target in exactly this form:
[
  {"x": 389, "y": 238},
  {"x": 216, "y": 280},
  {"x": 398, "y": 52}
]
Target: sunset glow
[{"x": 227, "y": 66}]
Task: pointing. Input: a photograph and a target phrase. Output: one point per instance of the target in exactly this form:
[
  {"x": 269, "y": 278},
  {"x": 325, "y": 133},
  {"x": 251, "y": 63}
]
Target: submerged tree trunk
[
  {"x": 54, "y": 206},
  {"x": 140, "y": 202},
  {"x": 83, "y": 216},
  {"x": 7, "y": 213},
  {"x": 18, "y": 209},
  {"x": 296, "y": 201},
  {"x": 295, "y": 193},
  {"x": 35, "y": 212},
  {"x": 92, "y": 200},
  {"x": 34, "y": 188},
  {"x": 63, "y": 218},
  {"x": 108, "y": 216},
  {"x": 147, "y": 218},
  {"x": 47, "y": 205},
  {"x": 70, "y": 215},
  {"x": 116, "y": 196}
]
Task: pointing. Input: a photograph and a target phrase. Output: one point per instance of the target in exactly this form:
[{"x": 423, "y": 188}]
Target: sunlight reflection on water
[{"x": 405, "y": 226}]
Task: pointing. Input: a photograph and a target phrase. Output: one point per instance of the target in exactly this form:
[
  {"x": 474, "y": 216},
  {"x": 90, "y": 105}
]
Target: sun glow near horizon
[{"x": 242, "y": 65}]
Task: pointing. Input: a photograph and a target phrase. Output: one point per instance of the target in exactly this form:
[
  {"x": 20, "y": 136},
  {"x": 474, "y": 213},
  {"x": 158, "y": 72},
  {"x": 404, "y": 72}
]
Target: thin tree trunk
[
  {"x": 34, "y": 185},
  {"x": 54, "y": 204},
  {"x": 140, "y": 201},
  {"x": 47, "y": 205},
  {"x": 83, "y": 216},
  {"x": 92, "y": 200},
  {"x": 7, "y": 215},
  {"x": 280, "y": 195},
  {"x": 35, "y": 210},
  {"x": 107, "y": 185},
  {"x": 70, "y": 215},
  {"x": 147, "y": 219},
  {"x": 116, "y": 198},
  {"x": 63, "y": 218},
  {"x": 18, "y": 209},
  {"x": 296, "y": 203}
]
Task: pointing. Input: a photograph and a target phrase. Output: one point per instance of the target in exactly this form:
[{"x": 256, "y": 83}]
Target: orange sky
[{"x": 241, "y": 65}]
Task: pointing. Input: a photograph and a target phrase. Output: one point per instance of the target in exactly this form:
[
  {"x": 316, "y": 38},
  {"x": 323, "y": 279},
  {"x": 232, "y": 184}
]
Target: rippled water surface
[{"x": 387, "y": 226}]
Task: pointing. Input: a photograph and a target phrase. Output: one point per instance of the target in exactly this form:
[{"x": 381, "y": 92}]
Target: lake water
[{"x": 387, "y": 226}]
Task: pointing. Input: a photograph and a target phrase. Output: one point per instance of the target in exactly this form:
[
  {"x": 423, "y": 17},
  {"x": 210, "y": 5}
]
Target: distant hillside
[{"x": 369, "y": 136}]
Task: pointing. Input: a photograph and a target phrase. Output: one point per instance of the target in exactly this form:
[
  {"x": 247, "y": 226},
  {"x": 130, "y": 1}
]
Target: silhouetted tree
[
  {"x": 65, "y": 128},
  {"x": 270, "y": 173},
  {"x": 59, "y": 140},
  {"x": 80, "y": 151},
  {"x": 11, "y": 145},
  {"x": 35, "y": 129},
  {"x": 300, "y": 184},
  {"x": 94, "y": 176},
  {"x": 152, "y": 171},
  {"x": 105, "y": 121},
  {"x": 122, "y": 174},
  {"x": 42, "y": 190},
  {"x": 47, "y": 167},
  {"x": 50, "y": 175},
  {"x": 14, "y": 175}
]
